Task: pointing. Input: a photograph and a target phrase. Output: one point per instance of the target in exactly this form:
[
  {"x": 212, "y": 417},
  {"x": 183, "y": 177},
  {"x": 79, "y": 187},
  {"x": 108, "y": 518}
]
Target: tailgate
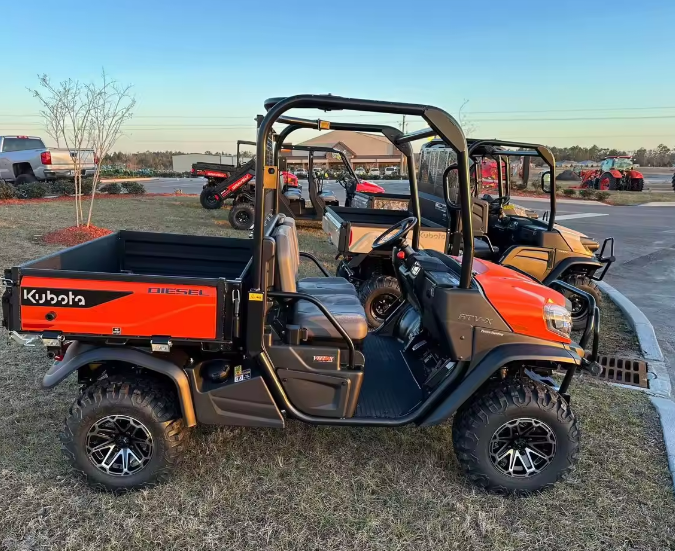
[
  {"x": 63, "y": 158},
  {"x": 332, "y": 224},
  {"x": 114, "y": 307}
]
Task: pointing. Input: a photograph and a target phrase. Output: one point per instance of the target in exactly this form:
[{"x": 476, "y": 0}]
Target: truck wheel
[
  {"x": 242, "y": 216},
  {"x": 579, "y": 307},
  {"x": 516, "y": 437},
  {"x": 24, "y": 179},
  {"x": 378, "y": 295},
  {"x": 607, "y": 181},
  {"x": 124, "y": 433},
  {"x": 210, "y": 199}
]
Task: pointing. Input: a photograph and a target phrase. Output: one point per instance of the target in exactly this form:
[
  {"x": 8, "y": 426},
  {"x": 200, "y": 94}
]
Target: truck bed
[
  {"x": 181, "y": 283},
  {"x": 353, "y": 230}
]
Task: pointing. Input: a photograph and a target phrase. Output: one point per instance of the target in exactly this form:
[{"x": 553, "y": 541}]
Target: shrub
[
  {"x": 113, "y": 188},
  {"x": 62, "y": 187},
  {"x": 33, "y": 190},
  {"x": 587, "y": 193},
  {"x": 602, "y": 195},
  {"x": 87, "y": 186},
  {"x": 7, "y": 191},
  {"x": 568, "y": 192},
  {"x": 133, "y": 188}
]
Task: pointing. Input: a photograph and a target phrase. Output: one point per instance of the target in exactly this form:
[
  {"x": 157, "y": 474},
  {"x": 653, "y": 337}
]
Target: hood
[
  {"x": 369, "y": 187},
  {"x": 519, "y": 299}
]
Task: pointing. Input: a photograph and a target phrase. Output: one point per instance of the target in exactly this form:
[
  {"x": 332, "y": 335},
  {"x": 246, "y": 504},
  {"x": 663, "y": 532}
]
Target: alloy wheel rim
[
  {"x": 119, "y": 445},
  {"x": 522, "y": 448},
  {"x": 381, "y": 306}
]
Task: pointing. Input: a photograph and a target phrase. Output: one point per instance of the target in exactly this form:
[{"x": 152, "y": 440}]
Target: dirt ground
[{"x": 308, "y": 487}]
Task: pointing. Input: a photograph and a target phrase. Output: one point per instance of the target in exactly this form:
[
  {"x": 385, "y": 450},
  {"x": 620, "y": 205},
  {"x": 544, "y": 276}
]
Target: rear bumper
[{"x": 66, "y": 174}]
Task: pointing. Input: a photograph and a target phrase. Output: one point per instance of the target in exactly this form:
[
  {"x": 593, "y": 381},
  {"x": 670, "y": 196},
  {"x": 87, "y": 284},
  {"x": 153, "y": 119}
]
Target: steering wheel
[{"x": 399, "y": 231}]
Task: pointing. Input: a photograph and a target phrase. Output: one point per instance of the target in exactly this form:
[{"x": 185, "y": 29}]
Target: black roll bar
[
  {"x": 394, "y": 135},
  {"x": 536, "y": 150},
  {"x": 242, "y": 142},
  {"x": 441, "y": 122}
]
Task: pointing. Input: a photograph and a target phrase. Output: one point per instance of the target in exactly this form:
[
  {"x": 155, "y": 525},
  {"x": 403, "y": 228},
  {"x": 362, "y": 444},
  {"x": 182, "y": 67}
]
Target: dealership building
[{"x": 361, "y": 150}]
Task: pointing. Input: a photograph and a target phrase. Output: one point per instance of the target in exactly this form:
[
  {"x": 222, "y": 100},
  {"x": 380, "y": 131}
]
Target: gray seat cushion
[
  {"x": 326, "y": 285},
  {"x": 346, "y": 309}
]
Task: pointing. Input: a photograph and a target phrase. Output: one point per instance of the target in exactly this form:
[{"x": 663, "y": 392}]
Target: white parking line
[{"x": 580, "y": 215}]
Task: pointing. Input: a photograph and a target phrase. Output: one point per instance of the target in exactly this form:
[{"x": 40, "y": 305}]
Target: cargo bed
[
  {"x": 353, "y": 230},
  {"x": 184, "y": 285},
  {"x": 389, "y": 201}
]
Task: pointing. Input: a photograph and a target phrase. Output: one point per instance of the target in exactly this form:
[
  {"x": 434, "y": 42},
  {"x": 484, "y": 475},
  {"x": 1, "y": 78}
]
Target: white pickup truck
[{"x": 25, "y": 159}]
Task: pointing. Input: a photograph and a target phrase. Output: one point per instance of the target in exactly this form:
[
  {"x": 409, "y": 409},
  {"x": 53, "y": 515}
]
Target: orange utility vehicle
[{"x": 168, "y": 331}]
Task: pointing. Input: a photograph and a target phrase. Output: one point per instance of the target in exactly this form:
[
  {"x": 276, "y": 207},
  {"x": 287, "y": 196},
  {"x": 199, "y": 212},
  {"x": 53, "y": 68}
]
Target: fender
[
  {"x": 590, "y": 264},
  {"x": 487, "y": 366},
  {"x": 614, "y": 172},
  {"x": 635, "y": 174},
  {"x": 79, "y": 355}
]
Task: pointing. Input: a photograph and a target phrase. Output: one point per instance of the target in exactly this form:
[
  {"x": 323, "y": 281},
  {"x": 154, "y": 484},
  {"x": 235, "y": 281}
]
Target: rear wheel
[
  {"x": 607, "y": 181},
  {"x": 24, "y": 179},
  {"x": 124, "y": 433},
  {"x": 637, "y": 184},
  {"x": 210, "y": 199},
  {"x": 579, "y": 306},
  {"x": 378, "y": 295},
  {"x": 517, "y": 436},
  {"x": 242, "y": 216}
]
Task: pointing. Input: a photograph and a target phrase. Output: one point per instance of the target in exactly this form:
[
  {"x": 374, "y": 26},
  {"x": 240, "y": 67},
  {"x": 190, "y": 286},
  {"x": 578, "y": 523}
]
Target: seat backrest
[
  {"x": 290, "y": 222},
  {"x": 288, "y": 259}
]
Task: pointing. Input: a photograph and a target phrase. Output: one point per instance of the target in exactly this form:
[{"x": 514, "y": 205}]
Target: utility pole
[{"x": 400, "y": 168}]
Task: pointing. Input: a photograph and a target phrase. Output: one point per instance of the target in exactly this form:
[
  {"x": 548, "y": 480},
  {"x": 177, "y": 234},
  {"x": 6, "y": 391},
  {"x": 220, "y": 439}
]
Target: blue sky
[{"x": 202, "y": 69}]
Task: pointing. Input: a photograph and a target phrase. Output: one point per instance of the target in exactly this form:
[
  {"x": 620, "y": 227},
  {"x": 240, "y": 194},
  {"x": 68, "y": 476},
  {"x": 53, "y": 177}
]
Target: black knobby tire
[
  {"x": 612, "y": 181},
  {"x": 637, "y": 184},
  {"x": 521, "y": 403},
  {"x": 209, "y": 199},
  {"x": 113, "y": 401},
  {"x": 579, "y": 307},
  {"x": 241, "y": 216},
  {"x": 673, "y": 181},
  {"x": 22, "y": 179},
  {"x": 378, "y": 295}
]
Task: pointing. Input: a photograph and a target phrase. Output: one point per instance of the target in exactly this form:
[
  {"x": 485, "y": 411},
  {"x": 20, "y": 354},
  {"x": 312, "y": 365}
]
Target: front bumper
[{"x": 608, "y": 260}]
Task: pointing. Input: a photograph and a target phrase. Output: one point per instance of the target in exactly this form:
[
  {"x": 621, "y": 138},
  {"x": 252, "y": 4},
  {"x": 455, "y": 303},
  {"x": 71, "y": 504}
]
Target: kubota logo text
[
  {"x": 68, "y": 298},
  {"x": 36, "y": 296}
]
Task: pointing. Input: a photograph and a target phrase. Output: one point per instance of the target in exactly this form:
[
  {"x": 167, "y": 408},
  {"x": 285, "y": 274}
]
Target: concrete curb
[
  {"x": 664, "y": 204},
  {"x": 659, "y": 386},
  {"x": 666, "y": 411}
]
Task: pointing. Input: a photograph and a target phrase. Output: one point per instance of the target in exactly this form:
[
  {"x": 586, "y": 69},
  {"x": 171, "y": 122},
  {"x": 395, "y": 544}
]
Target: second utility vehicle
[{"x": 166, "y": 332}]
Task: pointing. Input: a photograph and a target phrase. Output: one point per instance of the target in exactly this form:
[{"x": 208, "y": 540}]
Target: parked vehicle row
[{"x": 166, "y": 332}]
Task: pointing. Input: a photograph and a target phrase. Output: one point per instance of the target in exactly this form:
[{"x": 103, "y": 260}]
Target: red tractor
[{"x": 615, "y": 173}]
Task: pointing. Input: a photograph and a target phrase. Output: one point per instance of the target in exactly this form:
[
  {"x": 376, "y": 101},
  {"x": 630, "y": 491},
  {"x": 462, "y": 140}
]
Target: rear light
[
  {"x": 22, "y": 137},
  {"x": 46, "y": 158}
]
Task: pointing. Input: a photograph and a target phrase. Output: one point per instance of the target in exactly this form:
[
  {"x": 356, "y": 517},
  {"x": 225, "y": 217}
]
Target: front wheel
[
  {"x": 210, "y": 199},
  {"x": 517, "y": 436},
  {"x": 579, "y": 306},
  {"x": 124, "y": 433},
  {"x": 242, "y": 216},
  {"x": 379, "y": 295}
]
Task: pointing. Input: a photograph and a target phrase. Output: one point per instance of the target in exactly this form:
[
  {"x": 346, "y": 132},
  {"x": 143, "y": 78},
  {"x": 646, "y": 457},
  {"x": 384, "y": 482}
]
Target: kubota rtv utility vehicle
[{"x": 169, "y": 331}]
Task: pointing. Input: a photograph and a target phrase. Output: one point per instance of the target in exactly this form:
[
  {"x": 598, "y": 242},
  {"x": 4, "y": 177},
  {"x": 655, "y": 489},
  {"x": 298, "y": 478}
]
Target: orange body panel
[
  {"x": 119, "y": 308},
  {"x": 518, "y": 299}
]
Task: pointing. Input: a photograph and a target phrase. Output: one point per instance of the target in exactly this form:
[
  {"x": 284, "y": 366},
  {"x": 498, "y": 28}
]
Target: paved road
[
  {"x": 645, "y": 248},
  {"x": 645, "y": 252}
]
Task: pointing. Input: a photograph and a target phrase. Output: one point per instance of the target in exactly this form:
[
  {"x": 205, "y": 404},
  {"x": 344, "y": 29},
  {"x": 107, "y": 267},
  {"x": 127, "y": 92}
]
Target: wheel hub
[
  {"x": 522, "y": 448},
  {"x": 382, "y": 304},
  {"x": 119, "y": 445}
]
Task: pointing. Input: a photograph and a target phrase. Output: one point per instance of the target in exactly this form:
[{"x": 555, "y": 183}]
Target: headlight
[{"x": 558, "y": 319}]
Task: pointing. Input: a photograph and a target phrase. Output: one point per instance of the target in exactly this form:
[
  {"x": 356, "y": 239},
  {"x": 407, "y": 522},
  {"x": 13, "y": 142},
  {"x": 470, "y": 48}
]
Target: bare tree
[
  {"x": 112, "y": 106},
  {"x": 70, "y": 106},
  {"x": 467, "y": 125},
  {"x": 54, "y": 121}
]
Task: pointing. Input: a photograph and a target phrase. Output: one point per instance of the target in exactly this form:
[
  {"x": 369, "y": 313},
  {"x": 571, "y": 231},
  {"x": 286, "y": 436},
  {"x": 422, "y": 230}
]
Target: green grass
[{"x": 310, "y": 487}]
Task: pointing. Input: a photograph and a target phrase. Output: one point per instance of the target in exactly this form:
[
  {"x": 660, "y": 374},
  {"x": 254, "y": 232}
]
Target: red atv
[{"x": 616, "y": 173}]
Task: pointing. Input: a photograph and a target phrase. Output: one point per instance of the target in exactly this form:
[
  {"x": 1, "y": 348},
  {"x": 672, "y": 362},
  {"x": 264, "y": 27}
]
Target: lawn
[{"x": 309, "y": 487}]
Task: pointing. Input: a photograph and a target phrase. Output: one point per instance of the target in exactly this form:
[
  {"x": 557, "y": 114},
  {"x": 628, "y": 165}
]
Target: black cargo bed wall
[
  {"x": 100, "y": 255},
  {"x": 184, "y": 255}
]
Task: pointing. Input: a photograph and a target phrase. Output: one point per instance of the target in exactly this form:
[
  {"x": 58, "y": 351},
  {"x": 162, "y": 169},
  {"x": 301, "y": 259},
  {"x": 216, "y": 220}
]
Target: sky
[{"x": 559, "y": 73}]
